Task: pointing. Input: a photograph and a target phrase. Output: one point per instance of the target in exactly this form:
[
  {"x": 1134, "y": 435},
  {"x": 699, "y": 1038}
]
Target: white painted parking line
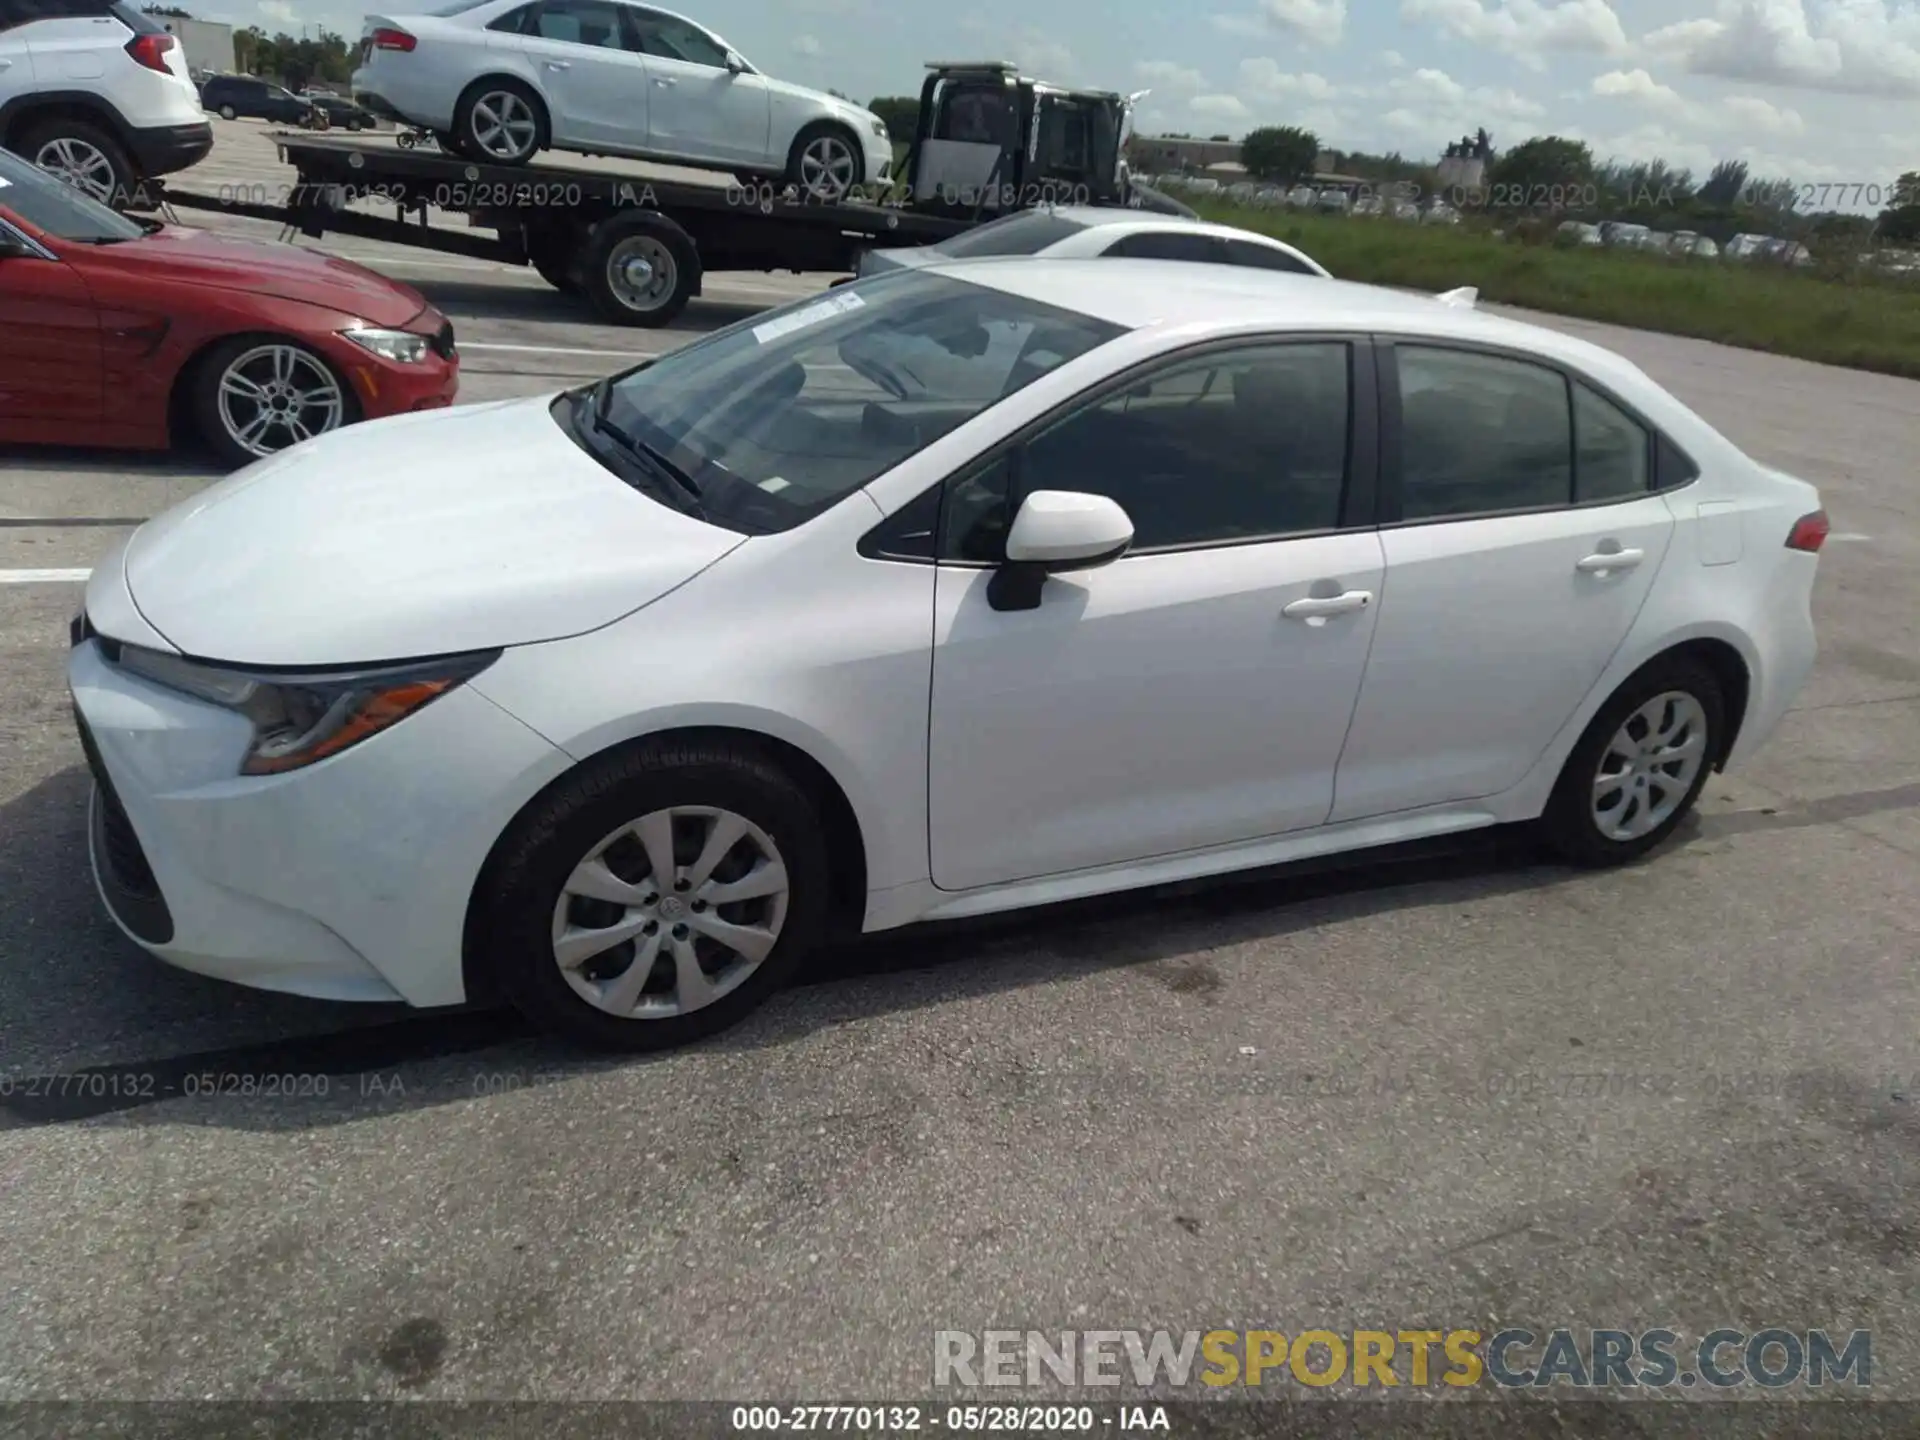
[
  {"x": 466, "y": 345},
  {"x": 43, "y": 577}
]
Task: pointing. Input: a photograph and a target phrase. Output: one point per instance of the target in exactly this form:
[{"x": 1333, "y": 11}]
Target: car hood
[
  {"x": 451, "y": 530},
  {"x": 903, "y": 257},
  {"x": 180, "y": 255}
]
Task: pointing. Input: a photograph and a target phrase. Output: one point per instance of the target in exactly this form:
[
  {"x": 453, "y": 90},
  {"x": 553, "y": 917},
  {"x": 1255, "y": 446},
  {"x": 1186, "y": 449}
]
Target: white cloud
[
  {"x": 1526, "y": 29},
  {"x": 1220, "y": 107},
  {"x": 1395, "y": 60},
  {"x": 805, "y": 45},
  {"x": 279, "y": 10},
  {"x": 1042, "y": 57},
  {"x": 1166, "y": 76},
  {"x": 1428, "y": 109},
  {"x": 1746, "y": 114},
  {"x": 1263, "y": 77},
  {"x": 1317, "y": 22},
  {"x": 1858, "y": 47}
]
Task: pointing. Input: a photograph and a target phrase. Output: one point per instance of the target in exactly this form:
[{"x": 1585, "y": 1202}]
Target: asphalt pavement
[{"x": 1462, "y": 1088}]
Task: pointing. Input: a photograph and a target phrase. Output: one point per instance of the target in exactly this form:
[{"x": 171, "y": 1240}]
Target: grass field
[{"x": 1860, "y": 324}]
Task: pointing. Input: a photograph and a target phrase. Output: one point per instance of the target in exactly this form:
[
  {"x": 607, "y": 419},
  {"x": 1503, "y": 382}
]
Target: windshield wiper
[{"x": 653, "y": 459}]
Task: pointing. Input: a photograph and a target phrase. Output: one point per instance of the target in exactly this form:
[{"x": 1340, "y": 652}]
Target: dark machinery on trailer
[{"x": 638, "y": 248}]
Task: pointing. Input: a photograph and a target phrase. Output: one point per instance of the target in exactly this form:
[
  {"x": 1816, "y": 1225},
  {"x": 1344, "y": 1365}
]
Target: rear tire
[
  {"x": 554, "y": 253},
  {"x": 500, "y": 122},
  {"x": 1616, "y": 799},
  {"x": 227, "y": 112},
  {"x": 639, "y": 269},
  {"x": 85, "y": 156},
  {"x": 533, "y": 903}
]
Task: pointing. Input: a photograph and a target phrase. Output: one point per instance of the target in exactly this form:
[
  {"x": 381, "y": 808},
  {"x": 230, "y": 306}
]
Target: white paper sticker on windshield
[
  {"x": 4, "y": 182},
  {"x": 809, "y": 315}
]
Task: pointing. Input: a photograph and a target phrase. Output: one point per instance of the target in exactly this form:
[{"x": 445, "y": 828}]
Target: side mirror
[
  {"x": 735, "y": 64},
  {"x": 1055, "y": 531}
]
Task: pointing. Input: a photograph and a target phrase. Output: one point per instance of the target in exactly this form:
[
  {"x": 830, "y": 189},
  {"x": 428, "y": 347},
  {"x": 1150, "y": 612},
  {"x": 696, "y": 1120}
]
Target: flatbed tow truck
[{"x": 988, "y": 142}]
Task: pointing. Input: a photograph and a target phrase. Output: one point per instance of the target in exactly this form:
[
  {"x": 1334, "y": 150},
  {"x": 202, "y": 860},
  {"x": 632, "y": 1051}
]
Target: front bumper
[
  {"x": 165, "y": 149},
  {"x": 385, "y": 387},
  {"x": 348, "y": 880}
]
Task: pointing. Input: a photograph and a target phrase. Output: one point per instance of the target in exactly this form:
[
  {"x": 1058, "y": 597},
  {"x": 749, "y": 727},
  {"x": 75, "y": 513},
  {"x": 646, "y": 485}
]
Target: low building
[
  {"x": 208, "y": 45},
  {"x": 1163, "y": 153}
]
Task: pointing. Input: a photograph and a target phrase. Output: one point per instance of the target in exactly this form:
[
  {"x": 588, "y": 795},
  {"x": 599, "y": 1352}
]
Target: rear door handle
[
  {"x": 666, "y": 83},
  {"x": 1319, "y": 607},
  {"x": 1602, "y": 562}
]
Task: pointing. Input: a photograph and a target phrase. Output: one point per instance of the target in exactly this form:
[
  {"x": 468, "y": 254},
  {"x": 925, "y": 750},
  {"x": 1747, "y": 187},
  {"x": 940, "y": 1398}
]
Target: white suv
[
  {"x": 501, "y": 80},
  {"x": 98, "y": 93}
]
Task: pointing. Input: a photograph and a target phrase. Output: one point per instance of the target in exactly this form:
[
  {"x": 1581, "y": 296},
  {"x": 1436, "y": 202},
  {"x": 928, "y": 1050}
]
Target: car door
[
  {"x": 594, "y": 81},
  {"x": 1197, "y": 691},
  {"x": 1522, "y": 536},
  {"x": 70, "y": 40},
  {"x": 50, "y": 362},
  {"x": 697, "y": 107}
]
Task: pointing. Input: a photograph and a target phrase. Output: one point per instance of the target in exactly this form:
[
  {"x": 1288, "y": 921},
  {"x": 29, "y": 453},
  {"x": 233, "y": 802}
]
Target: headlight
[
  {"x": 402, "y": 347},
  {"x": 300, "y": 719},
  {"x": 880, "y": 128}
]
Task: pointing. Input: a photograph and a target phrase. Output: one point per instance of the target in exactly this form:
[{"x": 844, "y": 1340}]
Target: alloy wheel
[
  {"x": 81, "y": 164},
  {"x": 503, "y": 125},
  {"x": 827, "y": 168},
  {"x": 273, "y": 396},
  {"x": 1648, "y": 769},
  {"x": 670, "y": 913}
]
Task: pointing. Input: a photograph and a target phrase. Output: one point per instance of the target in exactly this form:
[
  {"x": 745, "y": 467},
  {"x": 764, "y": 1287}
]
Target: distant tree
[
  {"x": 1900, "y": 221},
  {"x": 169, "y": 12},
  {"x": 1724, "y": 185},
  {"x": 839, "y": 94},
  {"x": 1774, "y": 198},
  {"x": 1546, "y": 163},
  {"x": 900, "y": 112},
  {"x": 1221, "y": 139},
  {"x": 1284, "y": 154}
]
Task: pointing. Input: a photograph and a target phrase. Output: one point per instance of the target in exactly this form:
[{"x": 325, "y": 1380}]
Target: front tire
[
  {"x": 826, "y": 163},
  {"x": 657, "y": 896},
  {"x": 257, "y": 395},
  {"x": 1639, "y": 768},
  {"x": 85, "y": 156},
  {"x": 500, "y": 122}
]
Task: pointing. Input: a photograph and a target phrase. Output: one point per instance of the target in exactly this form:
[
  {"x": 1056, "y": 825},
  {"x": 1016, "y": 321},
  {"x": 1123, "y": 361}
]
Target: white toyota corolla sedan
[{"x": 960, "y": 589}]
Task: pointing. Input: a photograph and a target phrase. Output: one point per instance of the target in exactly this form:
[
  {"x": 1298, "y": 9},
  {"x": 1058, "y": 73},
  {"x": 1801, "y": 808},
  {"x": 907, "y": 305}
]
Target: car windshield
[
  {"x": 1027, "y": 233},
  {"x": 57, "y": 209},
  {"x": 778, "y": 418}
]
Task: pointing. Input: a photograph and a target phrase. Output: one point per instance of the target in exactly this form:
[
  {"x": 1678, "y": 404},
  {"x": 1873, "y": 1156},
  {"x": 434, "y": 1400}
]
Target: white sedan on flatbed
[
  {"x": 963, "y": 589},
  {"x": 1082, "y": 232},
  {"x": 502, "y": 80}
]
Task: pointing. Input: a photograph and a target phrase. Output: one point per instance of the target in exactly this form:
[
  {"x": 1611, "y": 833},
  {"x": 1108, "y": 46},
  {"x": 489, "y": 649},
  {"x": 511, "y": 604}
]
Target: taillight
[
  {"x": 1809, "y": 533},
  {"x": 151, "y": 51},
  {"x": 388, "y": 39}
]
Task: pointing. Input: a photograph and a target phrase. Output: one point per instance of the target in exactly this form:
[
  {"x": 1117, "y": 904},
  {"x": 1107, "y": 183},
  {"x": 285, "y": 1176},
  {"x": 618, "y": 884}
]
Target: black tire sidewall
[
  {"x": 126, "y": 178},
  {"x": 805, "y": 138},
  {"x": 599, "y": 248},
  {"x": 463, "y": 121},
  {"x": 525, "y": 886},
  {"x": 206, "y": 394},
  {"x": 1568, "y": 822}
]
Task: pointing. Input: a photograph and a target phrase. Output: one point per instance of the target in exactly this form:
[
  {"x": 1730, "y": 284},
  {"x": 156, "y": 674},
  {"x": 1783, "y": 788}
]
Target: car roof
[{"x": 1142, "y": 294}]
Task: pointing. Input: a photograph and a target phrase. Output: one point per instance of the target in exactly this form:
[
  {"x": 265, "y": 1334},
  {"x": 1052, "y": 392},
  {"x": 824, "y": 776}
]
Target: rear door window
[{"x": 1169, "y": 245}]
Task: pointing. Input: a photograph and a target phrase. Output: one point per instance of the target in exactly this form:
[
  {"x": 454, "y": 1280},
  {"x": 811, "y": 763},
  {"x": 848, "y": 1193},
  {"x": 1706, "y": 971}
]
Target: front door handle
[
  {"x": 1319, "y": 607},
  {"x": 559, "y": 64},
  {"x": 1604, "y": 561},
  {"x": 667, "y": 83}
]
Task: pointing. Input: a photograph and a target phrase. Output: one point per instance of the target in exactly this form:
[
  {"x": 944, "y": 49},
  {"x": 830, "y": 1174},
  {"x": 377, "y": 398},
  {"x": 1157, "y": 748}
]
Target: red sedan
[{"x": 121, "y": 332}]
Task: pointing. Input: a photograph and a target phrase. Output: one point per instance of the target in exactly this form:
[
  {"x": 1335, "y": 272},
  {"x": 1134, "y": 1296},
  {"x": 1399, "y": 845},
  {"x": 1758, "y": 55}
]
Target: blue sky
[{"x": 1820, "y": 91}]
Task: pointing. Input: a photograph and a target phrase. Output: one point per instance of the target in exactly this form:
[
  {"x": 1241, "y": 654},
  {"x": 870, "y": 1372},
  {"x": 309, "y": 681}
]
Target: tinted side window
[
  {"x": 517, "y": 22},
  {"x": 1480, "y": 434},
  {"x": 673, "y": 39},
  {"x": 1236, "y": 445},
  {"x": 1612, "y": 449},
  {"x": 580, "y": 22},
  {"x": 1264, "y": 257},
  {"x": 1168, "y": 245}
]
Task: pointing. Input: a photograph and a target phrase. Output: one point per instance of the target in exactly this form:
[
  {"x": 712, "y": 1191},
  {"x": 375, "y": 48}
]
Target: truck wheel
[
  {"x": 826, "y": 163},
  {"x": 83, "y": 155},
  {"x": 639, "y": 269},
  {"x": 501, "y": 122}
]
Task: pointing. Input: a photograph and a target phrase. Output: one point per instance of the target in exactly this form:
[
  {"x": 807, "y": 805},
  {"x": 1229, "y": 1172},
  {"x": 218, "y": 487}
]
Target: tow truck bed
[{"x": 637, "y": 247}]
